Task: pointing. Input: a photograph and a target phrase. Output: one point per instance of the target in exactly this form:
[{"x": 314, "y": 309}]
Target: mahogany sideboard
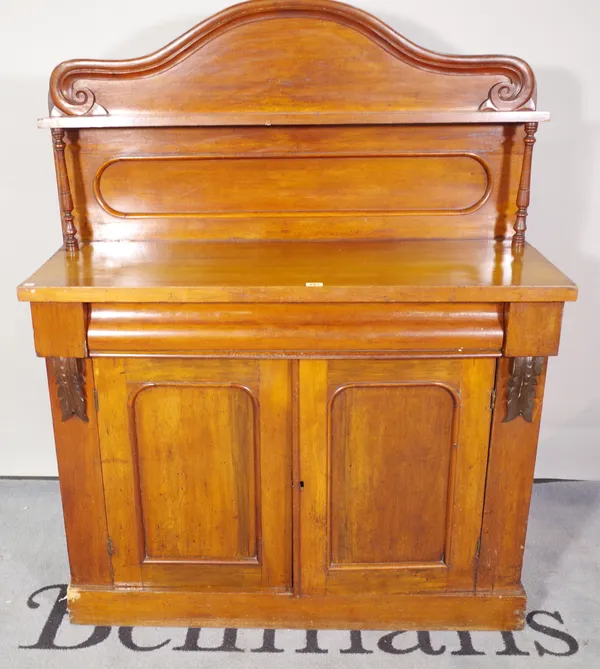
[{"x": 296, "y": 340}]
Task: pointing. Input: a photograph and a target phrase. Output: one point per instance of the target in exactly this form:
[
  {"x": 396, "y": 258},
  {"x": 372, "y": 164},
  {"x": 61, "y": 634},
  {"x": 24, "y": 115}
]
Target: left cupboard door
[{"x": 196, "y": 460}]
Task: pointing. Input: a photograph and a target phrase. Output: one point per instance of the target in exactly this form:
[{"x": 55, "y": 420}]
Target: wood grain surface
[
  {"x": 197, "y": 609},
  {"x": 298, "y": 363},
  {"x": 196, "y": 478},
  {"x": 323, "y": 68},
  {"x": 409, "y": 271},
  {"x": 367, "y": 467}
]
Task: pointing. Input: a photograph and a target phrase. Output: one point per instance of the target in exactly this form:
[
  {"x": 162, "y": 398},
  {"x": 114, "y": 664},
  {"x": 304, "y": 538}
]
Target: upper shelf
[
  {"x": 400, "y": 271},
  {"x": 292, "y": 118}
]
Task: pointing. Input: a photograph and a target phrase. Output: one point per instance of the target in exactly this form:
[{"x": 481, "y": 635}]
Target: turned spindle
[
  {"x": 518, "y": 240},
  {"x": 64, "y": 191}
]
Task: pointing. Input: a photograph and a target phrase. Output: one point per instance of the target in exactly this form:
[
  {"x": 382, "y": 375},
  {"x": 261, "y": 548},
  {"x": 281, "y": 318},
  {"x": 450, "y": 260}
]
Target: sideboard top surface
[{"x": 390, "y": 271}]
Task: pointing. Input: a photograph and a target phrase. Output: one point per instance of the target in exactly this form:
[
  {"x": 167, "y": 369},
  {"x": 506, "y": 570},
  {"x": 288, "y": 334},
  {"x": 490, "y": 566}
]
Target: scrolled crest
[
  {"x": 82, "y": 99},
  {"x": 77, "y": 87},
  {"x": 516, "y": 94}
]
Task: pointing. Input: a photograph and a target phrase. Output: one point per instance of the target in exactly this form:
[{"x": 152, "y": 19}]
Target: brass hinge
[
  {"x": 110, "y": 547},
  {"x": 492, "y": 399},
  {"x": 96, "y": 399}
]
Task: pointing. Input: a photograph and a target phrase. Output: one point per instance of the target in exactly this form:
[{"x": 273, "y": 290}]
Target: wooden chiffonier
[{"x": 296, "y": 341}]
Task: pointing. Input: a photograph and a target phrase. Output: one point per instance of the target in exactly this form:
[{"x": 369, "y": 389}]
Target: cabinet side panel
[
  {"x": 81, "y": 486},
  {"x": 508, "y": 492}
]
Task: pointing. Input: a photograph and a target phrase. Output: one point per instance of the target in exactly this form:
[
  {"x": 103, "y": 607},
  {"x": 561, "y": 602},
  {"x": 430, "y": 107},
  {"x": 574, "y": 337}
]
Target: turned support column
[
  {"x": 518, "y": 240},
  {"x": 64, "y": 191}
]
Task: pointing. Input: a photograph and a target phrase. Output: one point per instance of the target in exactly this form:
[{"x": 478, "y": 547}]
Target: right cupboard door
[{"x": 391, "y": 473}]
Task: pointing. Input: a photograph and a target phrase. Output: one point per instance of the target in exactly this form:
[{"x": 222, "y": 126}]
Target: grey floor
[{"x": 562, "y": 577}]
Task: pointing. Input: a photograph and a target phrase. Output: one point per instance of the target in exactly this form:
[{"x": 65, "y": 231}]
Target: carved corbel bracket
[
  {"x": 521, "y": 392},
  {"x": 69, "y": 374}
]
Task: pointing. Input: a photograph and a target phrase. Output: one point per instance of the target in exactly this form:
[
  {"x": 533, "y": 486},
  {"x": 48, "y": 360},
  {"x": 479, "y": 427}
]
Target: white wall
[{"x": 559, "y": 39}]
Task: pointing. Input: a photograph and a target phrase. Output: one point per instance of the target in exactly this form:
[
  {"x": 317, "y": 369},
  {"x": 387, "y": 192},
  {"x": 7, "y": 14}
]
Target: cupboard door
[
  {"x": 392, "y": 466},
  {"x": 197, "y": 468}
]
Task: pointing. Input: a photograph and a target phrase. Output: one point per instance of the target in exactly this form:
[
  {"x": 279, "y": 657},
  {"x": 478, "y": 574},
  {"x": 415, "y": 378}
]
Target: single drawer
[{"x": 201, "y": 329}]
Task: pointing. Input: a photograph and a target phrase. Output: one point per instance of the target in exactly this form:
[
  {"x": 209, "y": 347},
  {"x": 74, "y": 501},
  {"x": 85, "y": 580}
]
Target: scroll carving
[
  {"x": 64, "y": 191},
  {"x": 71, "y": 84},
  {"x": 518, "y": 241},
  {"x": 69, "y": 374},
  {"x": 510, "y": 96},
  {"x": 522, "y": 384}
]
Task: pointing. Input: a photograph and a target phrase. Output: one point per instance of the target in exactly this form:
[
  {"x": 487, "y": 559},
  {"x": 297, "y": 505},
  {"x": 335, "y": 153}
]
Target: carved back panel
[
  {"x": 312, "y": 55},
  {"x": 380, "y": 182},
  {"x": 291, "y": 144}
]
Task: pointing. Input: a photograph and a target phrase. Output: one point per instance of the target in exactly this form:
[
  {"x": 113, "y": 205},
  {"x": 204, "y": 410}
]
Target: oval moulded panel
[{"x": 441, "y": 183}]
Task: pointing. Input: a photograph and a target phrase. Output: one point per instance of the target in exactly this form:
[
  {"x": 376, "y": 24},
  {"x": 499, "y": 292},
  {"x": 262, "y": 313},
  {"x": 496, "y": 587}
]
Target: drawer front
[{"x": 188, "y": 329}]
